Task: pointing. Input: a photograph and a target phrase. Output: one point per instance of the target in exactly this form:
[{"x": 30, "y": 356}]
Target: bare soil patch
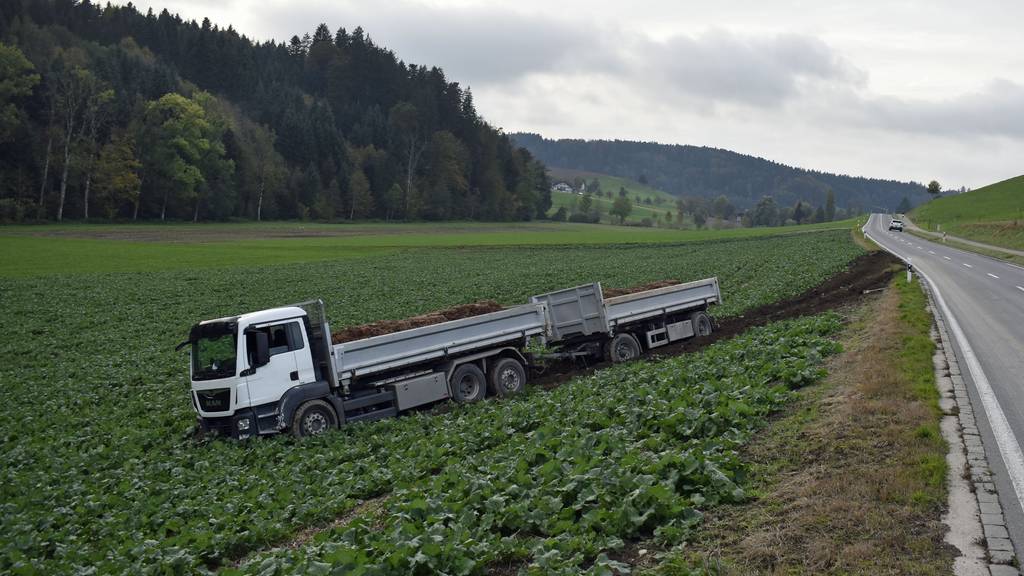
[
  {"x": 382, "y": 327},
  {"x": 613, "y": 292}
]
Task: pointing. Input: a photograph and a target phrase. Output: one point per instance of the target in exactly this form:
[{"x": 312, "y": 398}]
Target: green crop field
[
  {"x": 31, "y": 250},
  {"x": 993, "y": 214},
  {"x": 101, "y": 471}
]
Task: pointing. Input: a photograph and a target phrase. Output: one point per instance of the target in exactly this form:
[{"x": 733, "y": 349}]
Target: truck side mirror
[{"x": 261, "y": 352}]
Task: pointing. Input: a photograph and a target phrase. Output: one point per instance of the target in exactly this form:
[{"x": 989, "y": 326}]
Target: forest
[
  {"x": 703, "y": 172},
  {"x": 109, "y": 113}
]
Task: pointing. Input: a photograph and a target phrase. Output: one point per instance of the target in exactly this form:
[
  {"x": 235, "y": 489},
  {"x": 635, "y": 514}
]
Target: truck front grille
[{"x": 217, "y": 400}]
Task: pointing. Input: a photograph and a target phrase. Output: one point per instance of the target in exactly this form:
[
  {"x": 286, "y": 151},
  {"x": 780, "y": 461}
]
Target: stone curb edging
[{"x": 956, "y": 404}]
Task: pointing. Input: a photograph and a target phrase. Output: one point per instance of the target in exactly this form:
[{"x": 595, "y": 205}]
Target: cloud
[
  {"x": 488, "y": 45},
  {"x": 473, "y": 44},
  {"x": 997, "y": 109},
  {"x": 764, "y": 71}
]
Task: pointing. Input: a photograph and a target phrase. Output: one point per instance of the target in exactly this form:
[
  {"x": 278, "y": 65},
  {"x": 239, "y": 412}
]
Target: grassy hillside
[
  {"x": 653, "y": 211},
  {"x": 612, "y": 183},
  {"x": 640, "y": 211},
  {"x": 993, "y": 214}
]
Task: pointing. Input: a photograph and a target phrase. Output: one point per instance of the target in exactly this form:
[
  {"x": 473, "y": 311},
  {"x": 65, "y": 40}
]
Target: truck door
[{"x": 270, "y": 381}]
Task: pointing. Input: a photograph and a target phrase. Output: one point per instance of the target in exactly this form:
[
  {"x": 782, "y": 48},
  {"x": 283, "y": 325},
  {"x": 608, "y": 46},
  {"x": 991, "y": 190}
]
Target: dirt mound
[
  {"x": 871, "y": 271},
  {"x": 613, "y": 292},
  {"x": 436, "y": 317}
]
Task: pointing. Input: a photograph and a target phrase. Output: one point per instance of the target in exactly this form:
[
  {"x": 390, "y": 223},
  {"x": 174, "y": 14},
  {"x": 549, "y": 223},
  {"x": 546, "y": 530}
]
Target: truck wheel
[
  {"x": 313, "y": 418},
  {"x": 468, "y": 384},
  {"x": 701, "y": 324},
  {"x": 622, "y": 348},
  {"x": 507, "y": 377}
]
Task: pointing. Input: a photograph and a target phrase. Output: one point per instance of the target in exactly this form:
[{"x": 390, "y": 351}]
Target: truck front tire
[
  {"x": 313, "y": 418},
  {"x": 622, "y": 348},
  {"x": 468, "y": 384},
  {"x": 507, "y": 377}
]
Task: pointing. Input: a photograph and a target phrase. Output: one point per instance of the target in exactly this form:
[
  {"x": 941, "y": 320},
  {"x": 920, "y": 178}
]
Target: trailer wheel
[
  {"x": 507, "y": 377},
  {"x": 468, "y": 384},
  {"x": 313, "y": 418},
  {"x": 622, "y": 348},
  {"x": 701, "y": 324}
]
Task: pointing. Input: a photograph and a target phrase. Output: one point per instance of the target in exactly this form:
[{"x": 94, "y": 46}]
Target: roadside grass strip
[{"x": 852, "y": 479}]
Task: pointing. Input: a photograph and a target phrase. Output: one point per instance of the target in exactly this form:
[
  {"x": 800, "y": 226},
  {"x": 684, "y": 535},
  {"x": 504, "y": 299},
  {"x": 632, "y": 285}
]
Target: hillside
[
  {"x": 708, "y": 172},
  {"x": 114, "y": 113},
  {"x": 993, "y": 214},
  {"x": 648, "y": 202},
  {"x": 608, "y": 183}
]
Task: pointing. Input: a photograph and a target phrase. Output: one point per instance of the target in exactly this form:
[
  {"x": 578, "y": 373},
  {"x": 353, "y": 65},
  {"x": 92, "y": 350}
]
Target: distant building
[{"x": 562, "y": 187}]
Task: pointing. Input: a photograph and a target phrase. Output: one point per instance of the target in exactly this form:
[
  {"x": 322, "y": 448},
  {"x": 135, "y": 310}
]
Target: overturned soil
[
  {"x": 436, "y": 317},
  {"x": 613, "y": 292}
]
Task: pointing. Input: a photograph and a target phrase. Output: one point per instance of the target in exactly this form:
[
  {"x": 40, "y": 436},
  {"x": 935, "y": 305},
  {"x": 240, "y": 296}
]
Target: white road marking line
[
  {"x": 947, "y": 257},
  {"x": 993, "y": 275},
  {"x": 1020, "y": 288},
  {"x": 930, "y": 252},
  {"x": 966, "y": 264},
  {"x": 1009, "y": 448}
]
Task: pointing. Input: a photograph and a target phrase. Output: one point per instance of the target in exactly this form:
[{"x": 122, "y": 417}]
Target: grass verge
[{"x": 851, "y": 479}]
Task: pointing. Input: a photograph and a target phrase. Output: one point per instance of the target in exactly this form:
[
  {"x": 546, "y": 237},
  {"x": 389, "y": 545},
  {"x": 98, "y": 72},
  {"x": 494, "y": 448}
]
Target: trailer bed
[{"x": 408, "y": 347}]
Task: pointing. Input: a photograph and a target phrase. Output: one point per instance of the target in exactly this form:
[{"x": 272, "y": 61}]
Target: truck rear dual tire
[
  {"x": 313, "y": 418},
  {"x": 622, "y": 347},
  {"x": 468, "y": 384},
  {"x": 507, "y": 376}
]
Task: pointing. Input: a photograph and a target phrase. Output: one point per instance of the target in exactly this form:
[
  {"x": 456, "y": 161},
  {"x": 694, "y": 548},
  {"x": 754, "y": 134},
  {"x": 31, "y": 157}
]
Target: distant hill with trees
[
  {"x": 108, "y": 112},
  {"x": 702, "y": 172}
]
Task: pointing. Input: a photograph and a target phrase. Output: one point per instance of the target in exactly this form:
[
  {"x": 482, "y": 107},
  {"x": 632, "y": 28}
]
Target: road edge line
[{"x": 1009, "y": 448}]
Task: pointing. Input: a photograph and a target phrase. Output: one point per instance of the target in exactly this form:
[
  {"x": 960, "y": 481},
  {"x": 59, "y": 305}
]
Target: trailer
[{"x": 276, "y": 370}]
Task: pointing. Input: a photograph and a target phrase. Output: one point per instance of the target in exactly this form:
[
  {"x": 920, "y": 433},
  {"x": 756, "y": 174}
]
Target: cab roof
[{"x": 271, "y": 315}]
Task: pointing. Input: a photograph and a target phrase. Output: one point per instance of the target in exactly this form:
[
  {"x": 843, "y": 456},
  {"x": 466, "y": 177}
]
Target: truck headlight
[{"x": 243, "y": 424}]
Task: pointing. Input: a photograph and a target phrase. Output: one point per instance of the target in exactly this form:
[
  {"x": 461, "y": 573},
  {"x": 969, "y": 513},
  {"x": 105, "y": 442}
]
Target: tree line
[
  {"x": 700, "y": 212},
  {"x": 108, "y": 112}
]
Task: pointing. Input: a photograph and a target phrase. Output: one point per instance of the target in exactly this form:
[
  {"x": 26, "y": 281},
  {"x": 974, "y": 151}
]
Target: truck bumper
[{"x": 240, "y": 426}]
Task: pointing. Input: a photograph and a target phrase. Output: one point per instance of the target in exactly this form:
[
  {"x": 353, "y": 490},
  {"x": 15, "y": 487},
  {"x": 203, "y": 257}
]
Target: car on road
[{"x": 896, "y": 225}]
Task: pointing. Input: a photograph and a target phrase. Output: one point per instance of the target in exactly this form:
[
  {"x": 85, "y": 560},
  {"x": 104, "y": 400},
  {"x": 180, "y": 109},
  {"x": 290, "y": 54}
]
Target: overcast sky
[{"x": 906, "y": 89}]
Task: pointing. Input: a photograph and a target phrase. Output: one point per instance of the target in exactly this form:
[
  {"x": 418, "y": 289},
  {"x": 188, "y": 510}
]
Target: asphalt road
[{"x": 986, "y": 298}]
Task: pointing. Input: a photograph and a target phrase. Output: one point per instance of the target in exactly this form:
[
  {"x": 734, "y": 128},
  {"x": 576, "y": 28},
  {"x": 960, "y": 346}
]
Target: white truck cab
[{"x": 240, "y": 364}]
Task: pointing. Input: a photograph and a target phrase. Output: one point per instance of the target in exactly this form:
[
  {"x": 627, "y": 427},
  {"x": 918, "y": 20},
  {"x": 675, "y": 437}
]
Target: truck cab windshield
[{"x": 213, "y": 356}]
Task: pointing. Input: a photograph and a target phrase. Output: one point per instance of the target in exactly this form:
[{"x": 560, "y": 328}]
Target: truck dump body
[
  {"x": 583, "y": 311},
  {"x": 409, "y": 347}
]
